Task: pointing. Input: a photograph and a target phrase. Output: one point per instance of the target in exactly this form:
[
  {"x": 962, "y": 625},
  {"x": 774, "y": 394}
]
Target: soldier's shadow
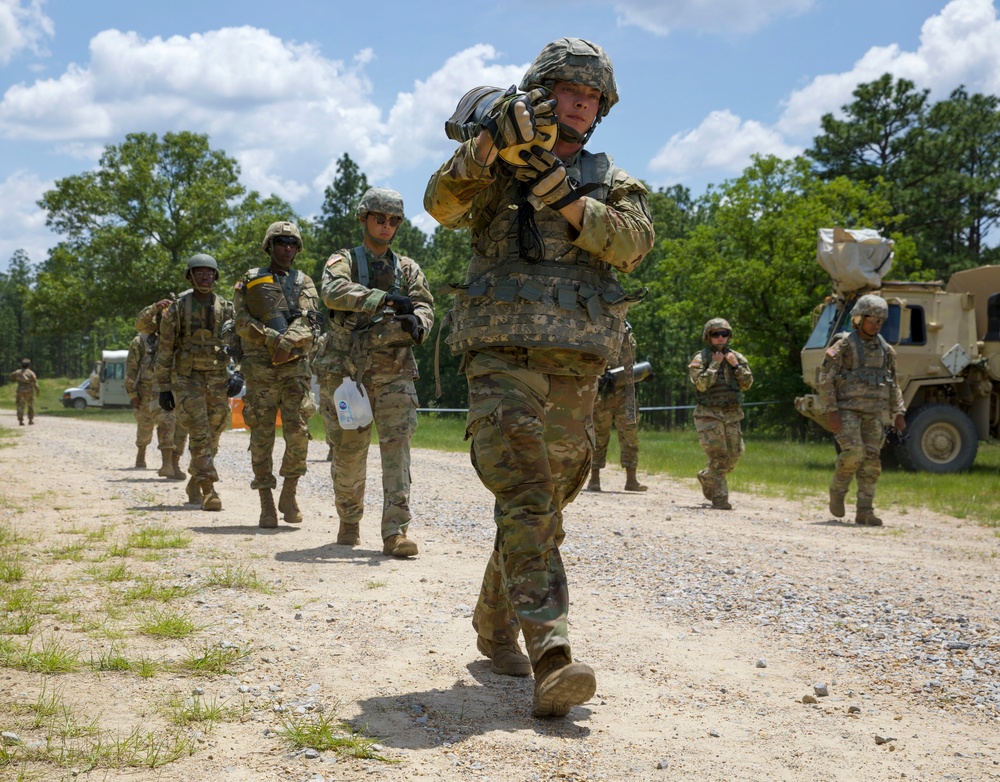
[
  {"x": 245, "y": 528},
  {"x": 331, "y": 552},
  {"x": 416, "y": 720},
  {"x": 163, "y": 508}
]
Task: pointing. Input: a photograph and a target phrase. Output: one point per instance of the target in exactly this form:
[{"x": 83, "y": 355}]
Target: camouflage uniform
[
  {"x": 366, "y": 343},
  {"x": 171, "y": 437},
  {"x": 719, "y": 391},
  {"x": 858, "y": 380},
  {"x": 538, "y": 317},
  {"x": 273, "y": 387},
  {"x": 322, "y": 361},
  {"x": 27, "y": 390},
  {"x": 609, "y": 410},
  {"x": 192, "y": 363},
  {"x": 140, "y": 388}
]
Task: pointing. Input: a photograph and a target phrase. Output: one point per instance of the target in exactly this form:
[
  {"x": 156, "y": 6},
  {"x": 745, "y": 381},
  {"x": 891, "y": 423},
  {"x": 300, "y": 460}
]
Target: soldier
[
  {"x": 145, "y": 402},
  {"x": 610, "y": 409},
  {"x": 537, "y": 319},
  {"x": 192, "y": 370},
  {"x": 720, "y": 376},
  {"x": 858, "y": 390},
  {"x": 379, "y": 307},
  {"x": 27, "y": 390},
  {"x": 276, "y": 365},
  {"x": 322, "y": 360},
  {"x": 171, "y": 436}
]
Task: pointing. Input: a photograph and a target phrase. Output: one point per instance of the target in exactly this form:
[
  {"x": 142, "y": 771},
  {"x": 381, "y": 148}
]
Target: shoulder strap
[{"x": 361, "y": 264}]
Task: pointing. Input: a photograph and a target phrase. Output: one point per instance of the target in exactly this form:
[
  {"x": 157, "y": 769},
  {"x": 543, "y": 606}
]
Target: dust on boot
[
  {"x": 399, "y": 546},
  {"x": 865, "y": 514},
  {"x": 632, "y": 482},
  {"x": 349, "y": 534},
  {"x": 210, "y": 499},
  {"x": 505, "y": 659},
  {"x": 287, "y": 504},
  {"x": 268, "y": 513},
  {"x": 561, "y": 684}
]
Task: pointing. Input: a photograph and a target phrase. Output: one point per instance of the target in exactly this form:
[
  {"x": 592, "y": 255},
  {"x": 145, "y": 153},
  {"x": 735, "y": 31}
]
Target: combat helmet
[
  {"x": 715, "y": 324},
  {"x": 575, "y": 60},
  {"x": 25, "y": 363},
  {"x": 872, "y": 306},
  {"x": 281, "y": 228},
  {"x": 380, "y": 199},
  {"x": 201, "y": 261}
]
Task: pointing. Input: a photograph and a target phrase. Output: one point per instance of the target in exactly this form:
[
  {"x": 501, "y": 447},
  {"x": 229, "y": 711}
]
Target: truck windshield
[{"x": 825, "y": 327}]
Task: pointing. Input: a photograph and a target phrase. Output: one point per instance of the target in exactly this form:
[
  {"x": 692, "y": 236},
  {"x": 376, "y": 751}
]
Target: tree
[
  {"x": 129, "y": 226},
  {"x": 338, "y": 226}
]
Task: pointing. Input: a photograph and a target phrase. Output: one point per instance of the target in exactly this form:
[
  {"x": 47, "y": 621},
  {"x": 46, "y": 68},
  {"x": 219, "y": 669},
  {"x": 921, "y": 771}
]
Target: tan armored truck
[{"x": 947, "y": 342}]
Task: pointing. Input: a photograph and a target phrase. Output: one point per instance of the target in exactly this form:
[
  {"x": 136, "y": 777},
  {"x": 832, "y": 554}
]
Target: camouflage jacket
[
  {"x": 719, "y": 386},
  {"x": 863, "y": 382},
  {"x": 26, "y": 380},
  {"x": 363, "y": 336},
  {"x": 139, "y": 368},
  {"x": 191, "y": 338}
]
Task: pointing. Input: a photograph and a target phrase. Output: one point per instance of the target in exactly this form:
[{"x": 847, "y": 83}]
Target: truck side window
[
  {"x": 992, "y": 318},
  {"x": 918, "y": 329}
]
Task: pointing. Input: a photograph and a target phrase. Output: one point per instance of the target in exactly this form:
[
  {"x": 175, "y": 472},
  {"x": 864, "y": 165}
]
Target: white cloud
[
  {"x": 712, "y": 16},
  {"x": 22, "y": 222},
  {"x": 957, "y": 46},
  {"x": 22, "y": 26},
  {"x": 721, "y": 143}
]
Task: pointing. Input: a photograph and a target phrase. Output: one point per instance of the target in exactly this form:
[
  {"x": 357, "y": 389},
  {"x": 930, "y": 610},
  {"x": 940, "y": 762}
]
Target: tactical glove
[
  {"x": 516, "y": 121},
  {"x": 606, "y": 383},
  {"x": 402, "y": 305},
  {"x": 550, "y": 183},
  {"x": 410, "y": 325},
  {"x": 235, "y": 385},
  {"x": 167, "y": 400}
]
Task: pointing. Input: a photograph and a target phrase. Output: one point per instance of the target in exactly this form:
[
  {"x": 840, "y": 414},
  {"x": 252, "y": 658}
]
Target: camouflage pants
[
  {"x": 861, "y": 439},
  {"x": 394, "y": 407},
  {"x": 722, "y": 442},
  {"x": 270, "y": 389},
  {"x": 532, "y": 446},
  {"x": 327, "y": 385},
  {"x": 203, "y": 411},
  {"x": 149, "y": 415},
  {"x": 25, "y": 400},
  {"x": 609, "y": 410}
]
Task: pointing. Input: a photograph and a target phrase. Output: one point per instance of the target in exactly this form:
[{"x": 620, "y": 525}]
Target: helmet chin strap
[{"x": 571, "y": 135}]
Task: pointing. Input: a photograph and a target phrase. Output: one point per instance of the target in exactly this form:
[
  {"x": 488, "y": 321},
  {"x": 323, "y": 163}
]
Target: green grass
[
  {"x": 781, "y": 468},
  {"x": 156, "y": 538},
  {"x": 167, "y": 624},
  {"x": 325, "y": 732},
  {"x": 213, "y": 660},
  {"x": 237, "y": 577}
]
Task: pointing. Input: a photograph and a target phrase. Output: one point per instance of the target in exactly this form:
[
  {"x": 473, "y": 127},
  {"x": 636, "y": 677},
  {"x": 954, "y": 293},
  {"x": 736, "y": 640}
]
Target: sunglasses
[
  {"x": 381, "y": 219},
  {"x": 720, "y": 334},
  {"x": 286, "y": 240}
]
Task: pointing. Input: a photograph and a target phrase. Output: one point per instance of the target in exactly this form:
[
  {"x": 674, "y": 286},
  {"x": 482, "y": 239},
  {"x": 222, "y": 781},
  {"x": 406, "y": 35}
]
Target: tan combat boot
[
  {"x": 286, "y": 502},
  {"x": 595, "y": 480},
  {"x": 268, "y": 514},
  {"x": 210, "y": 500},
  {"x": 140, "y": 456},
  {"x": 399, "y": 546},
  {"x": 721, "y": 502},
  {"x": 505, "y": 659},
  {"x": 837, "y": 503},
  {"x": 167, "y": 466},
  {"x": 706, "y": 487},
  {"x": 631, "y": 482},
  {"x": 193, "y": 491},
  {"x": 561, "y": 684},
  {"x": 178, "y": 472},
  {"x": 866, "y": 514},
  {"x": 349, "y": 534}
]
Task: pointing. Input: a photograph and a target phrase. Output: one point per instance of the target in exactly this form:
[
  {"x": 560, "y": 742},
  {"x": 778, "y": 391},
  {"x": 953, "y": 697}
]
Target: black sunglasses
[
  {"x": 720, "y": 334},
  {"x": 286, "y": 240},
  {"x": 380, "y": 219}
]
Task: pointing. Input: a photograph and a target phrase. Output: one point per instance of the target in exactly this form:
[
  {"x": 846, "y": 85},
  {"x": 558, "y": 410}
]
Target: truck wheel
[
  {"x": 939, "y": 438},
  {"x": 79, "y": 404}
]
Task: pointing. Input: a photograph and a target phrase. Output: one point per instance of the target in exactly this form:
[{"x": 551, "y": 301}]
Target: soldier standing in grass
[
  {"x": 380, "y": 307},
  {"x": 858, "y": 389},
  {"x": 192, "y": 370},
  {"x": 720, "y": 376},
  {"x": 276, "y": 366},
  {"x": 27, "y": 390},
  {"x": 536, "y": 320}
]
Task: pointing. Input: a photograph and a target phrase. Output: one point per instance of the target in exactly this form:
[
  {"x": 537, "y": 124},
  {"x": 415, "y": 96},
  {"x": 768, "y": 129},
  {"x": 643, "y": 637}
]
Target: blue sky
[{"x": 287, "y": 88}]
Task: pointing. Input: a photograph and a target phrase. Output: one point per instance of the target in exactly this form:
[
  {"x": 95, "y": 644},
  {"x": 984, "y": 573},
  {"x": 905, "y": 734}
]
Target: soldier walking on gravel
[
  {"x": 858, "y": 390},
  {"x": 27, "y": 390},
  {"x": 276, "y": 342},
  {"x": 192, "y": 370},
  {"x": 380, "y": 307},
  {"x": 537, "y": 318},
  {"x": 720, "y": 376}
]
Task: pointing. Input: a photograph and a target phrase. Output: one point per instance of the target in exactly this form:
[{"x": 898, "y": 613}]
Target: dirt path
[{"x": 706, "y": 628}]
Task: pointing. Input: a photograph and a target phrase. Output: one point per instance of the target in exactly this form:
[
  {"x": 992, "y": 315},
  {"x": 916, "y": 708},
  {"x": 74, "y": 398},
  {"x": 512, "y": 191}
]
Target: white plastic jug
[{"x": 353, "y": 408}]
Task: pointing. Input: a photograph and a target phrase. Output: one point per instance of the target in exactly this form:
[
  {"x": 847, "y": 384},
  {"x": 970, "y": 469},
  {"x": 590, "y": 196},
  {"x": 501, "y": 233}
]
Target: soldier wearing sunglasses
[{"x": 720, "y": 376}]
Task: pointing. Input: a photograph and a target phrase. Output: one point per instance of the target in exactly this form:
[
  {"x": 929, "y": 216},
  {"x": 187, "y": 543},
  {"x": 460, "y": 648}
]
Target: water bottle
[{"x": 354, "y": 411}]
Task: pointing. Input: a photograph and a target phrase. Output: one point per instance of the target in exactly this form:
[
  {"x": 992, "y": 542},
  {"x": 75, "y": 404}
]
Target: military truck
[{"x": 947, "y": 342}]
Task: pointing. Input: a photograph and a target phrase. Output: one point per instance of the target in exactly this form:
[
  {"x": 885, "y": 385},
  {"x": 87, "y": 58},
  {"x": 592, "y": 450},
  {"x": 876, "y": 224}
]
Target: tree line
[{"x": 926, "y": 175}]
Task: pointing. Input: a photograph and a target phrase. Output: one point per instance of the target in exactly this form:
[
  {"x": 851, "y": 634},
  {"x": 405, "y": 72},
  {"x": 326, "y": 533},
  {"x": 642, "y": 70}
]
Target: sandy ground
[{"x": 706, "y": 628}]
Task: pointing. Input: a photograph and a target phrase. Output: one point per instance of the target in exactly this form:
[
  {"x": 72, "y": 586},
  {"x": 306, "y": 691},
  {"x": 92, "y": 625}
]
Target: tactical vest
[
  {"x": 379, "y": 330},
  {"x": 568, "y": 299},
  {"x": 291, "y": 285},
  {"x": 201, "y": 345},
  {"x": 869, "y": 379},
  {"x": 25, "y": 381},
  {"x": 725, "y": 391}
]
